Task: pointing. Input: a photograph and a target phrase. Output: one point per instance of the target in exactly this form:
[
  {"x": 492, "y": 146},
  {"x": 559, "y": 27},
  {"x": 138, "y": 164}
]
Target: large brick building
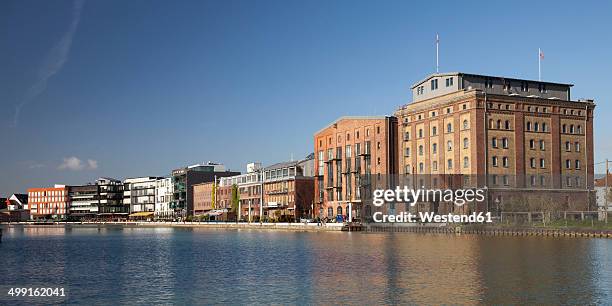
[
  {"x": 347, "y": 151},
  {"x": 521, "y": 139}
]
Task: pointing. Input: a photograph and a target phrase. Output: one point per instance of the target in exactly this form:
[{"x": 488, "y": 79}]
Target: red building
[{"x": 47, "y": 203}]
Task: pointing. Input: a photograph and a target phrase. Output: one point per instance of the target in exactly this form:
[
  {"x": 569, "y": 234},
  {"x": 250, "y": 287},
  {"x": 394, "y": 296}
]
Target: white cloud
[
  {"x": 71, "y": 163},
  {"x": 74, "y": 163},
  {"x": 92, "y": 164}
]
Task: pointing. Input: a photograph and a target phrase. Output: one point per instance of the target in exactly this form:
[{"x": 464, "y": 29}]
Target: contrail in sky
[{"x": 53, "y": 63}]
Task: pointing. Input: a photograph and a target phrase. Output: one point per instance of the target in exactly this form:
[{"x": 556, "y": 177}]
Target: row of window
[
  {"x": 572, "y": 130},
  {"x": 433, "y": 113},
  {"x": 433, "y": 84},
  {"x": 541, "y": 142},
  {"x": 533, "y": 180},
  {"x": 46, "y": 193},
  {"x": 348, "y": 136},
  {"x": 568, "y": 146},
  {"x": 536, "y": 127},
  {"x": 434, "y": 166},
  {"x": 434, "y": 147},
  {"x": 434, "y": 130},
  {"x": 498, "y": 124}
]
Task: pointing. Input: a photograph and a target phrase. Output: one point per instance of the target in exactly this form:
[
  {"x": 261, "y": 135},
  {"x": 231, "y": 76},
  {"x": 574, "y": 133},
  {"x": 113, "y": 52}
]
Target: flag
[{"x": 541, "y": 54}]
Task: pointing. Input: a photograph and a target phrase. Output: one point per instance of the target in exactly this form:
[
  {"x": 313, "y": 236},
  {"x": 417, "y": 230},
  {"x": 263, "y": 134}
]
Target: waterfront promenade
[{"x": 419, "y": 228}]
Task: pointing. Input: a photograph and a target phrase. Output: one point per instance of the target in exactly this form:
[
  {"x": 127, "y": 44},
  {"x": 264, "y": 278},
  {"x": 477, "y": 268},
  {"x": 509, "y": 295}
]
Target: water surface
[{"x": 144, "y": 266}]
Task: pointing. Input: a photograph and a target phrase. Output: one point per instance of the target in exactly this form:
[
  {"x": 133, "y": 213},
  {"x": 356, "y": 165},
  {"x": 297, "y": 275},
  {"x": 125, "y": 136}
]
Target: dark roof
[{"x": 23, "y": 198}]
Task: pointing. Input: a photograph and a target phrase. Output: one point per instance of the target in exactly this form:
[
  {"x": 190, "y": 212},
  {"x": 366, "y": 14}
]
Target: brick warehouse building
[
  {"x": 521, "y": 139},
  {"x": 346, "y": 151}
]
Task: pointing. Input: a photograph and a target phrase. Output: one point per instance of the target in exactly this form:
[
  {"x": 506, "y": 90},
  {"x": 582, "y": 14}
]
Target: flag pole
[
  {"x": 437, "y": 53},
  {"x": 539, "y": 64}
]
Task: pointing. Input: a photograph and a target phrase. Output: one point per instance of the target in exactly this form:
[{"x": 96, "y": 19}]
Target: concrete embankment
[
  {"x": 488, "y": 230},
  {"x": 212, "y": 225}
]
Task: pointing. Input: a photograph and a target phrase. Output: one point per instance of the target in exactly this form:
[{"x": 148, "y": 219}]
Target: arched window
[
  {"x": 466, "y": 162},
  {"x": 449, "y": 127},
  {"x": 498, "y": 124},
  {"x": 536, "y": 126},
  {"x": 507, "y": 125},
  {"x": 505, "y": 143},
  {"x": 449, "y": 145},
  {"x": 434, "y": 148},
  {"x": 580, "y": 129},
  {"x": 466, "y": 143},
  {"x": 434, "y": 166},
  {"x": 571, "y": 129},
  {"x": 544, "y": 127},
  {"x": 339, "y": 210},
  {"x": 420, "y": 133},
  {"x": 420, "y": 150},
  {"x": 450, "y": 164},
  {"x": 330, "y": 212},
  {"x": 465, "y": 124},
  {"x": 528, "y": 125},
  {"x": 563, "y": 128},
  {"x": 421, "y": 167},
  {"x": 434, "y": 131}
]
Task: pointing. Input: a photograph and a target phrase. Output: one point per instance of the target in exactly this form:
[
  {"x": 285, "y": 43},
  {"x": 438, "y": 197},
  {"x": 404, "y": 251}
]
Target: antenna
[{"x": 437, "y": 53}]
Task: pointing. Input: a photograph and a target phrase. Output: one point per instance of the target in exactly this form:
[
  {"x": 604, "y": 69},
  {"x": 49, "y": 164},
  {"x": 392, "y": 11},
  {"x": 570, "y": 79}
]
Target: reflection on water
[{"x": 196, "y": 266}]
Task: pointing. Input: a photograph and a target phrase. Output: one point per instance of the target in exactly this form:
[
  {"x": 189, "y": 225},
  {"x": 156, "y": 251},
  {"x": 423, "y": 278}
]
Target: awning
[{"x": 142, "y": 214}]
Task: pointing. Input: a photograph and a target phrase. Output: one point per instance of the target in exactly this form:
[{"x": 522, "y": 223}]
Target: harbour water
[{"x": 144, "y": 266}]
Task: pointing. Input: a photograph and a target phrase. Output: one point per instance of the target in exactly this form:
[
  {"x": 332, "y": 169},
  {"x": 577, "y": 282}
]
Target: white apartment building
[
  {"x": 164, "y": 190},
  {"x": 139, "y": 193}
]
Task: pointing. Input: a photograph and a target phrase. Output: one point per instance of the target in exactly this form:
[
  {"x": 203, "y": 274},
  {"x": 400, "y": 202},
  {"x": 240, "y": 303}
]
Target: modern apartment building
[
  {"x": 110, "y": 204},
  {"x": 48, "y": 203},
  {"x": 101, "y": 199},
  {"x": 346, "y": 151},
  {"x": 84, "y": 201},
  {"x": 518, "y": 138},
  {"x": 139, "y": 193},
  {"x": 183, "y": 180},
  {"x": 163, "y": 198}
]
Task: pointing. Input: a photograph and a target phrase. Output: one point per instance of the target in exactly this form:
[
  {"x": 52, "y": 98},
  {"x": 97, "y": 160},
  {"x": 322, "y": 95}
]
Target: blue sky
[{"x": 136, "y": 88}]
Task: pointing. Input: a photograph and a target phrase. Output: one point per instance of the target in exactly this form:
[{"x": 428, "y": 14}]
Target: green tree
[{"x": 235, "y": 199}]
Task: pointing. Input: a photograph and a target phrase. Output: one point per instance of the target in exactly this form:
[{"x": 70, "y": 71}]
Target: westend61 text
[{"x": 406, "y": 217}]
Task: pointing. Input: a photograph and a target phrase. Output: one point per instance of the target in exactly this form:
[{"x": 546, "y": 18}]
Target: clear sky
[{"x": 137, "y": 88}]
